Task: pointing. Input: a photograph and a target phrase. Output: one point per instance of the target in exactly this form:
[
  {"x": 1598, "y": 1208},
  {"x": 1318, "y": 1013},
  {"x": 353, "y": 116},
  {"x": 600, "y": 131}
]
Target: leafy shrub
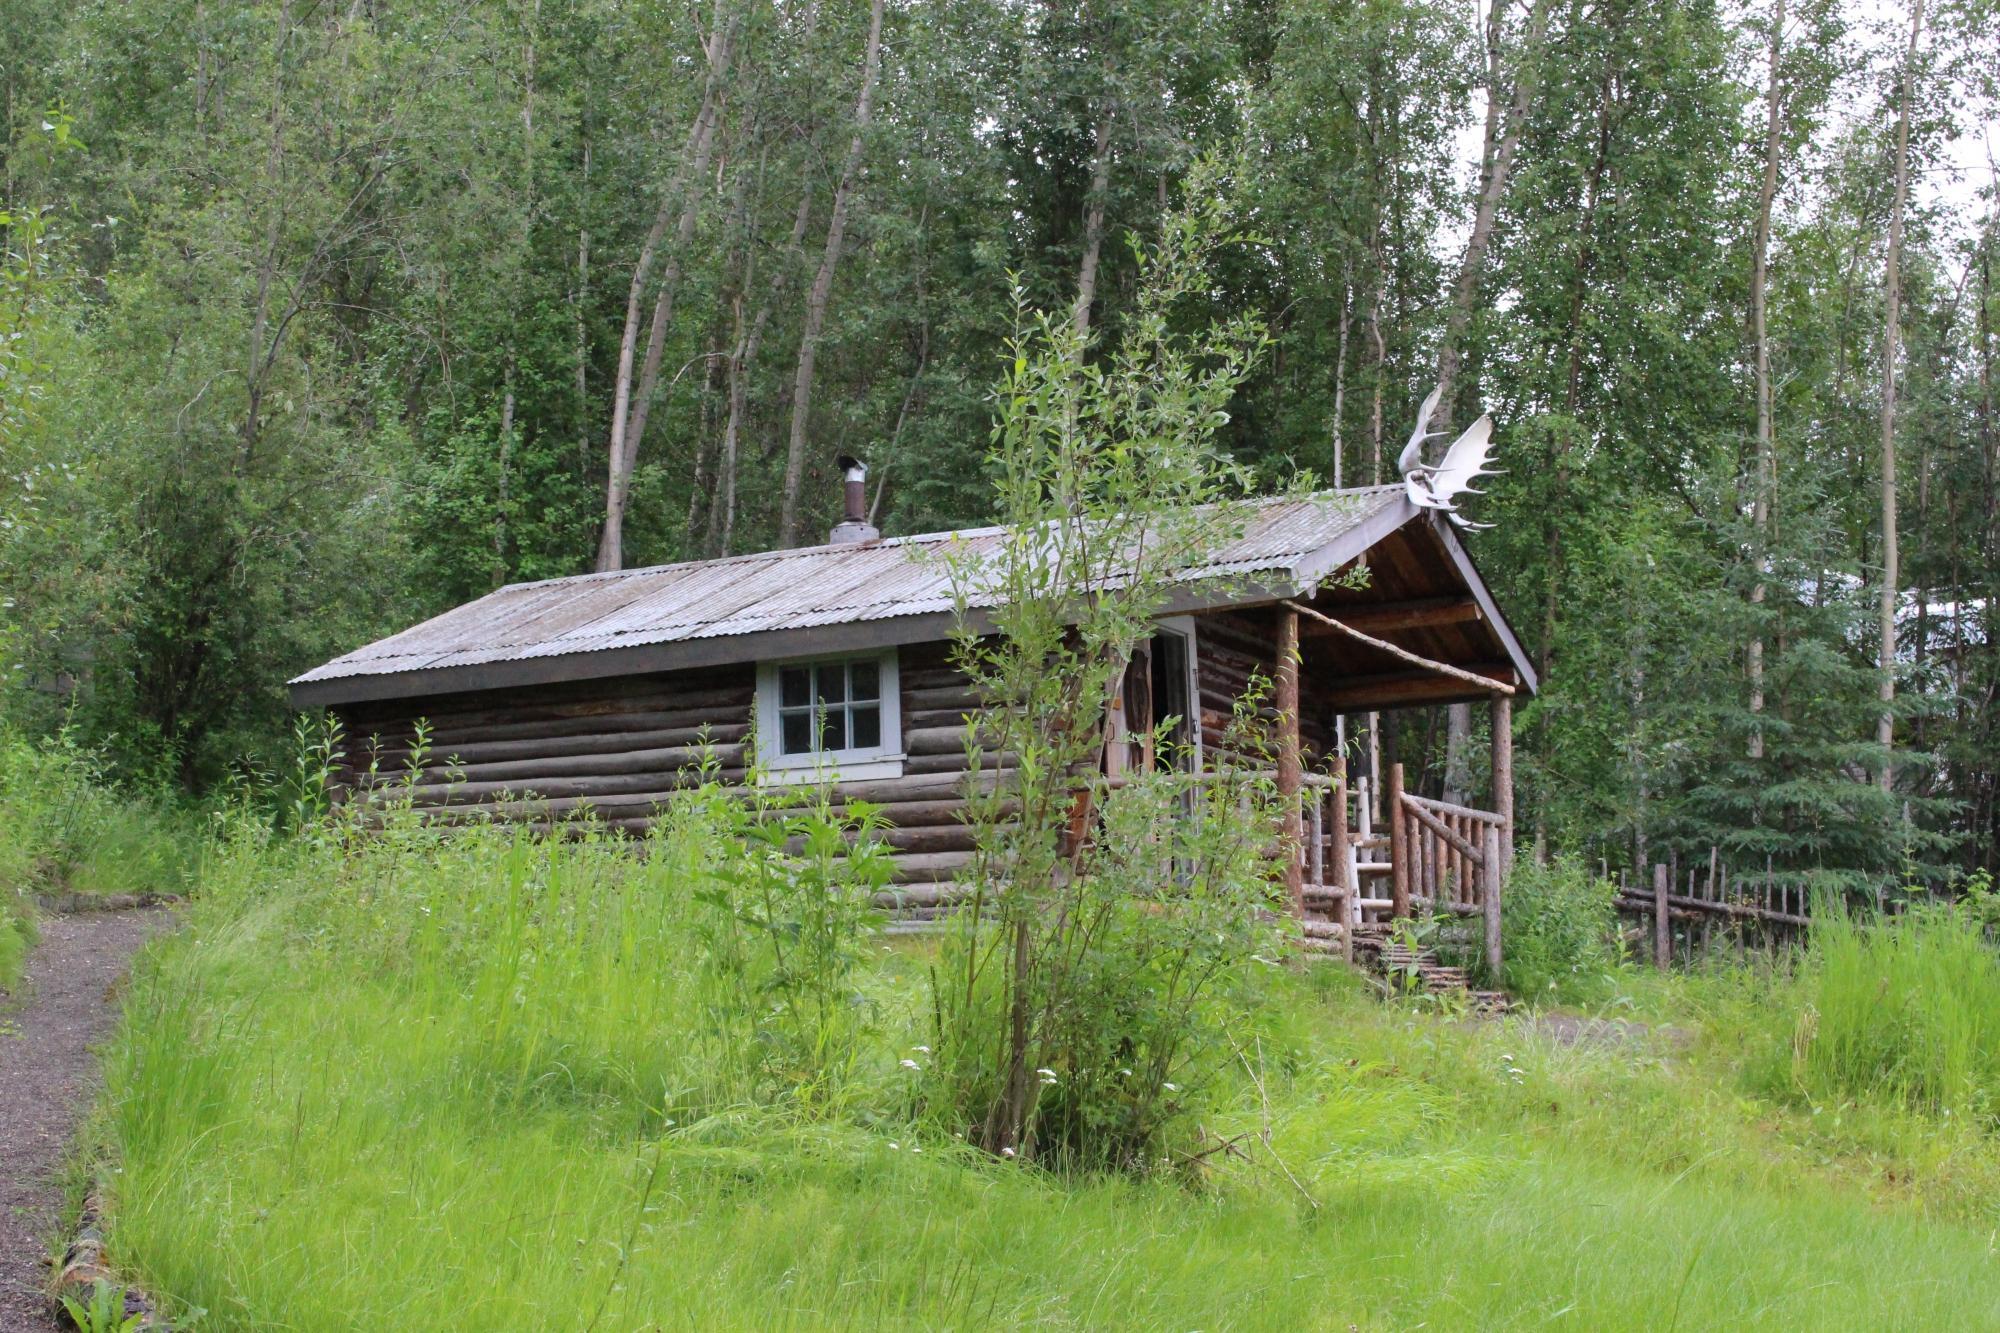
[
  {"x": 1560, "y": 923},
  {"x": 1905, "y": 1008},
  {"x": 1134, "y": 977},
  {"x": 1076, "y": 984},
  {"x": 791, "y": 905}
]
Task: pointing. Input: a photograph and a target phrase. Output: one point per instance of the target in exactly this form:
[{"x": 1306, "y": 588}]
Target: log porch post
[
  {"x": 1491, "y": 867},
  {"x": 1399, "y": 846},
  {"x": 1290, "y": 777},
  {"x": 1503, "y": 777}
]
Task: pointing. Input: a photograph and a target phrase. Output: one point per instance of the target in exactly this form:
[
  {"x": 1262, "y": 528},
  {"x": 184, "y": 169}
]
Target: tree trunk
[
  {"x": 1502, "y": 140},
  {"x": 1767, "y": 450},
  {"x": 1093, "y": 221},
  {"x": 1458, "y": 754},
  {"x": 523, "y": 242},
  {"x": 1497, "y": 163},
  {"x": 1340, "y": 377},
  {"x": 257, "y": 368},
  {"x": 743, "y": 355},
  {"x": 822, "y": 288},
  {"x": 503, "y": 501},
  {"x": 580, "y": 333},
  {"x": 622, "y": 449},
  {"x": 1885, "y": 726}
]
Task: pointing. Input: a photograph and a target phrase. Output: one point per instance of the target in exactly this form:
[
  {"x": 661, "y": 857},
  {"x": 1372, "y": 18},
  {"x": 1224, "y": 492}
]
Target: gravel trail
[{"x": 66, "y": 1004}]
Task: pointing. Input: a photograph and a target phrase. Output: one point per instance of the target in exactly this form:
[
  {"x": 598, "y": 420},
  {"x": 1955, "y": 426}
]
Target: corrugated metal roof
[{"x": 776, "y": 590}]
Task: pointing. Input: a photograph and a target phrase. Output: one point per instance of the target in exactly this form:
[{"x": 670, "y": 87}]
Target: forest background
[{"x": 320, "y": 317}]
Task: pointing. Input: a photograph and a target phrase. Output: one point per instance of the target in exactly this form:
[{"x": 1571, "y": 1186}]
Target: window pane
[
  {"x": 795, "y": 732},
  {"x": 866, "y": 678},
  {"x": 831, "y": 682},
  {"x": 867, "y": 726},
  {"x": 795, "y": 687},
  {"x": 833, "y": 729}
]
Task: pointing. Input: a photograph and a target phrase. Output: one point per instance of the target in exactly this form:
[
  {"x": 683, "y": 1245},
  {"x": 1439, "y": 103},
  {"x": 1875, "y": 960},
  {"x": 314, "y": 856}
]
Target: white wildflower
[{"x": 911, "y": 1064}]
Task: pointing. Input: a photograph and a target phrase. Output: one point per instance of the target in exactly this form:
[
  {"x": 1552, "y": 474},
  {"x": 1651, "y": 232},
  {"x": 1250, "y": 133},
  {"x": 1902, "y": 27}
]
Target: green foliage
[
  {"x": 104, "y": 1312},
  {"x": 1561, "y": 926},
  {"x": 69, "y": 829}
]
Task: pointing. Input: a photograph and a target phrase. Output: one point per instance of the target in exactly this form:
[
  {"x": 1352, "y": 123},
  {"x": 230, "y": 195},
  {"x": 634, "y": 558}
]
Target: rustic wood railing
[
  {"x": 1433, "y": 856},
  {"x": 1448, "y": 859}
]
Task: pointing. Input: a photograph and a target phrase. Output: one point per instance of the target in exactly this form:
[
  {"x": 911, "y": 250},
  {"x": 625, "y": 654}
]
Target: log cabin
[{"x": 833, "y": 663}]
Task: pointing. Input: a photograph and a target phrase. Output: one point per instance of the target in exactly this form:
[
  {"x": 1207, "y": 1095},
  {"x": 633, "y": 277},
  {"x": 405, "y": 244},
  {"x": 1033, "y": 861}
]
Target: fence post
[
  {"x": 1663, "y": 938},
  {"x": 1495, "y": 866}
]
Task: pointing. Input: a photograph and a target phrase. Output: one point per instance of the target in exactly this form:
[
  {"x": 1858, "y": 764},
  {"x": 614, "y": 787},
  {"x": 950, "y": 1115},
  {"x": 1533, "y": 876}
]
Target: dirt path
[{"x": 63, "y": 1007}]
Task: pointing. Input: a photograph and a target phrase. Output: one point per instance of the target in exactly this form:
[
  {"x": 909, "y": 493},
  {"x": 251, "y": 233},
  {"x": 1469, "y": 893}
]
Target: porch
[{"x": 1420, "y": 632}]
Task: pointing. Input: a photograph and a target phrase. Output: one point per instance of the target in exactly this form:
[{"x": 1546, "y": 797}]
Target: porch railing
[{"x": 1434, "y": 857}]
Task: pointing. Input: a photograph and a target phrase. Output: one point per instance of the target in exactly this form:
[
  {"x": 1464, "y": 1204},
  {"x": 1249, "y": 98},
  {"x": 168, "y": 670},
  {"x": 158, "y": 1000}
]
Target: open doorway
[{"x": 1160, "y": 689}]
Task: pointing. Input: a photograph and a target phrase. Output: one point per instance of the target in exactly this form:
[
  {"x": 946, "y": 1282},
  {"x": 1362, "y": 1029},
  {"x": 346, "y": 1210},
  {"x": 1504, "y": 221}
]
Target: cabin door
[{"x": 1161, "y": 712}]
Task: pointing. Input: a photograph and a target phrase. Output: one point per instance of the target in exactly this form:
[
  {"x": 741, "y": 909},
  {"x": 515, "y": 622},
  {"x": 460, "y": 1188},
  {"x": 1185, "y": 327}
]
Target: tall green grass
[
  {"x": 483, "y": 1079},
  {"x": 1906, "y": 1008}
]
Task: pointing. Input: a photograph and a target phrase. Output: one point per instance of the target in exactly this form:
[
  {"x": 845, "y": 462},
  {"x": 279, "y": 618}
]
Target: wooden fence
[{"x": 1687, "y": 914}]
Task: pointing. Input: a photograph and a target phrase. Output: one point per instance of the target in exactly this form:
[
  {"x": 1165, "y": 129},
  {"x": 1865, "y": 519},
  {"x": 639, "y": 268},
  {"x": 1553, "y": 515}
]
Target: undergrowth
[
  {"x": 378, "y": 1077},
  {"x": 65, "y": 827}
]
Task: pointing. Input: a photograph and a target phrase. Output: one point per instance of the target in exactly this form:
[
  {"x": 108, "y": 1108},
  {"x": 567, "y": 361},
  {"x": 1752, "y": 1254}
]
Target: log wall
[
  {"x": 621, "y": 747},
  {"x": 1233, "y": 647}
]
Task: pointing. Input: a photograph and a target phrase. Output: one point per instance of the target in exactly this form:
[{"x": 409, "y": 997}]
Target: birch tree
[
  {"x": 1892, "y": 301},
  {"x": 680, "y": 199},
  {"x": 822, "y": 286}
]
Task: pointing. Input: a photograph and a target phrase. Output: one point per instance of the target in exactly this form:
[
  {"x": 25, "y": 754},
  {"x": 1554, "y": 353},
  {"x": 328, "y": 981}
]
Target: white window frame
[{"x": 876, "y": 761}]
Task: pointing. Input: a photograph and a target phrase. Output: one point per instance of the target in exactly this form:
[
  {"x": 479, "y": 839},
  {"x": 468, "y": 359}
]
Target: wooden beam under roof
[
  {"x": 1396, "y": 689},
  {"x": 1418, "y": 613}
]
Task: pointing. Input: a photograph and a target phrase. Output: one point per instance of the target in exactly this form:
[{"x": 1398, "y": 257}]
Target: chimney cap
[{"x": 854, "y": 525}]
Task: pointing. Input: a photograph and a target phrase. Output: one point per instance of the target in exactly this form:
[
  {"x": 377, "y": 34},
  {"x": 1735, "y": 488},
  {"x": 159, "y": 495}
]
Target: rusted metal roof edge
[
  {"x": 639, "y": 659},
  {"x": 724, "y": 650}
]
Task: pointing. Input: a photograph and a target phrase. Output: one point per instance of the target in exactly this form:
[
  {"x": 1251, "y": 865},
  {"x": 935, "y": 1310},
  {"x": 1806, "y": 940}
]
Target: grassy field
[{"x": 485, "y": 1083}]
